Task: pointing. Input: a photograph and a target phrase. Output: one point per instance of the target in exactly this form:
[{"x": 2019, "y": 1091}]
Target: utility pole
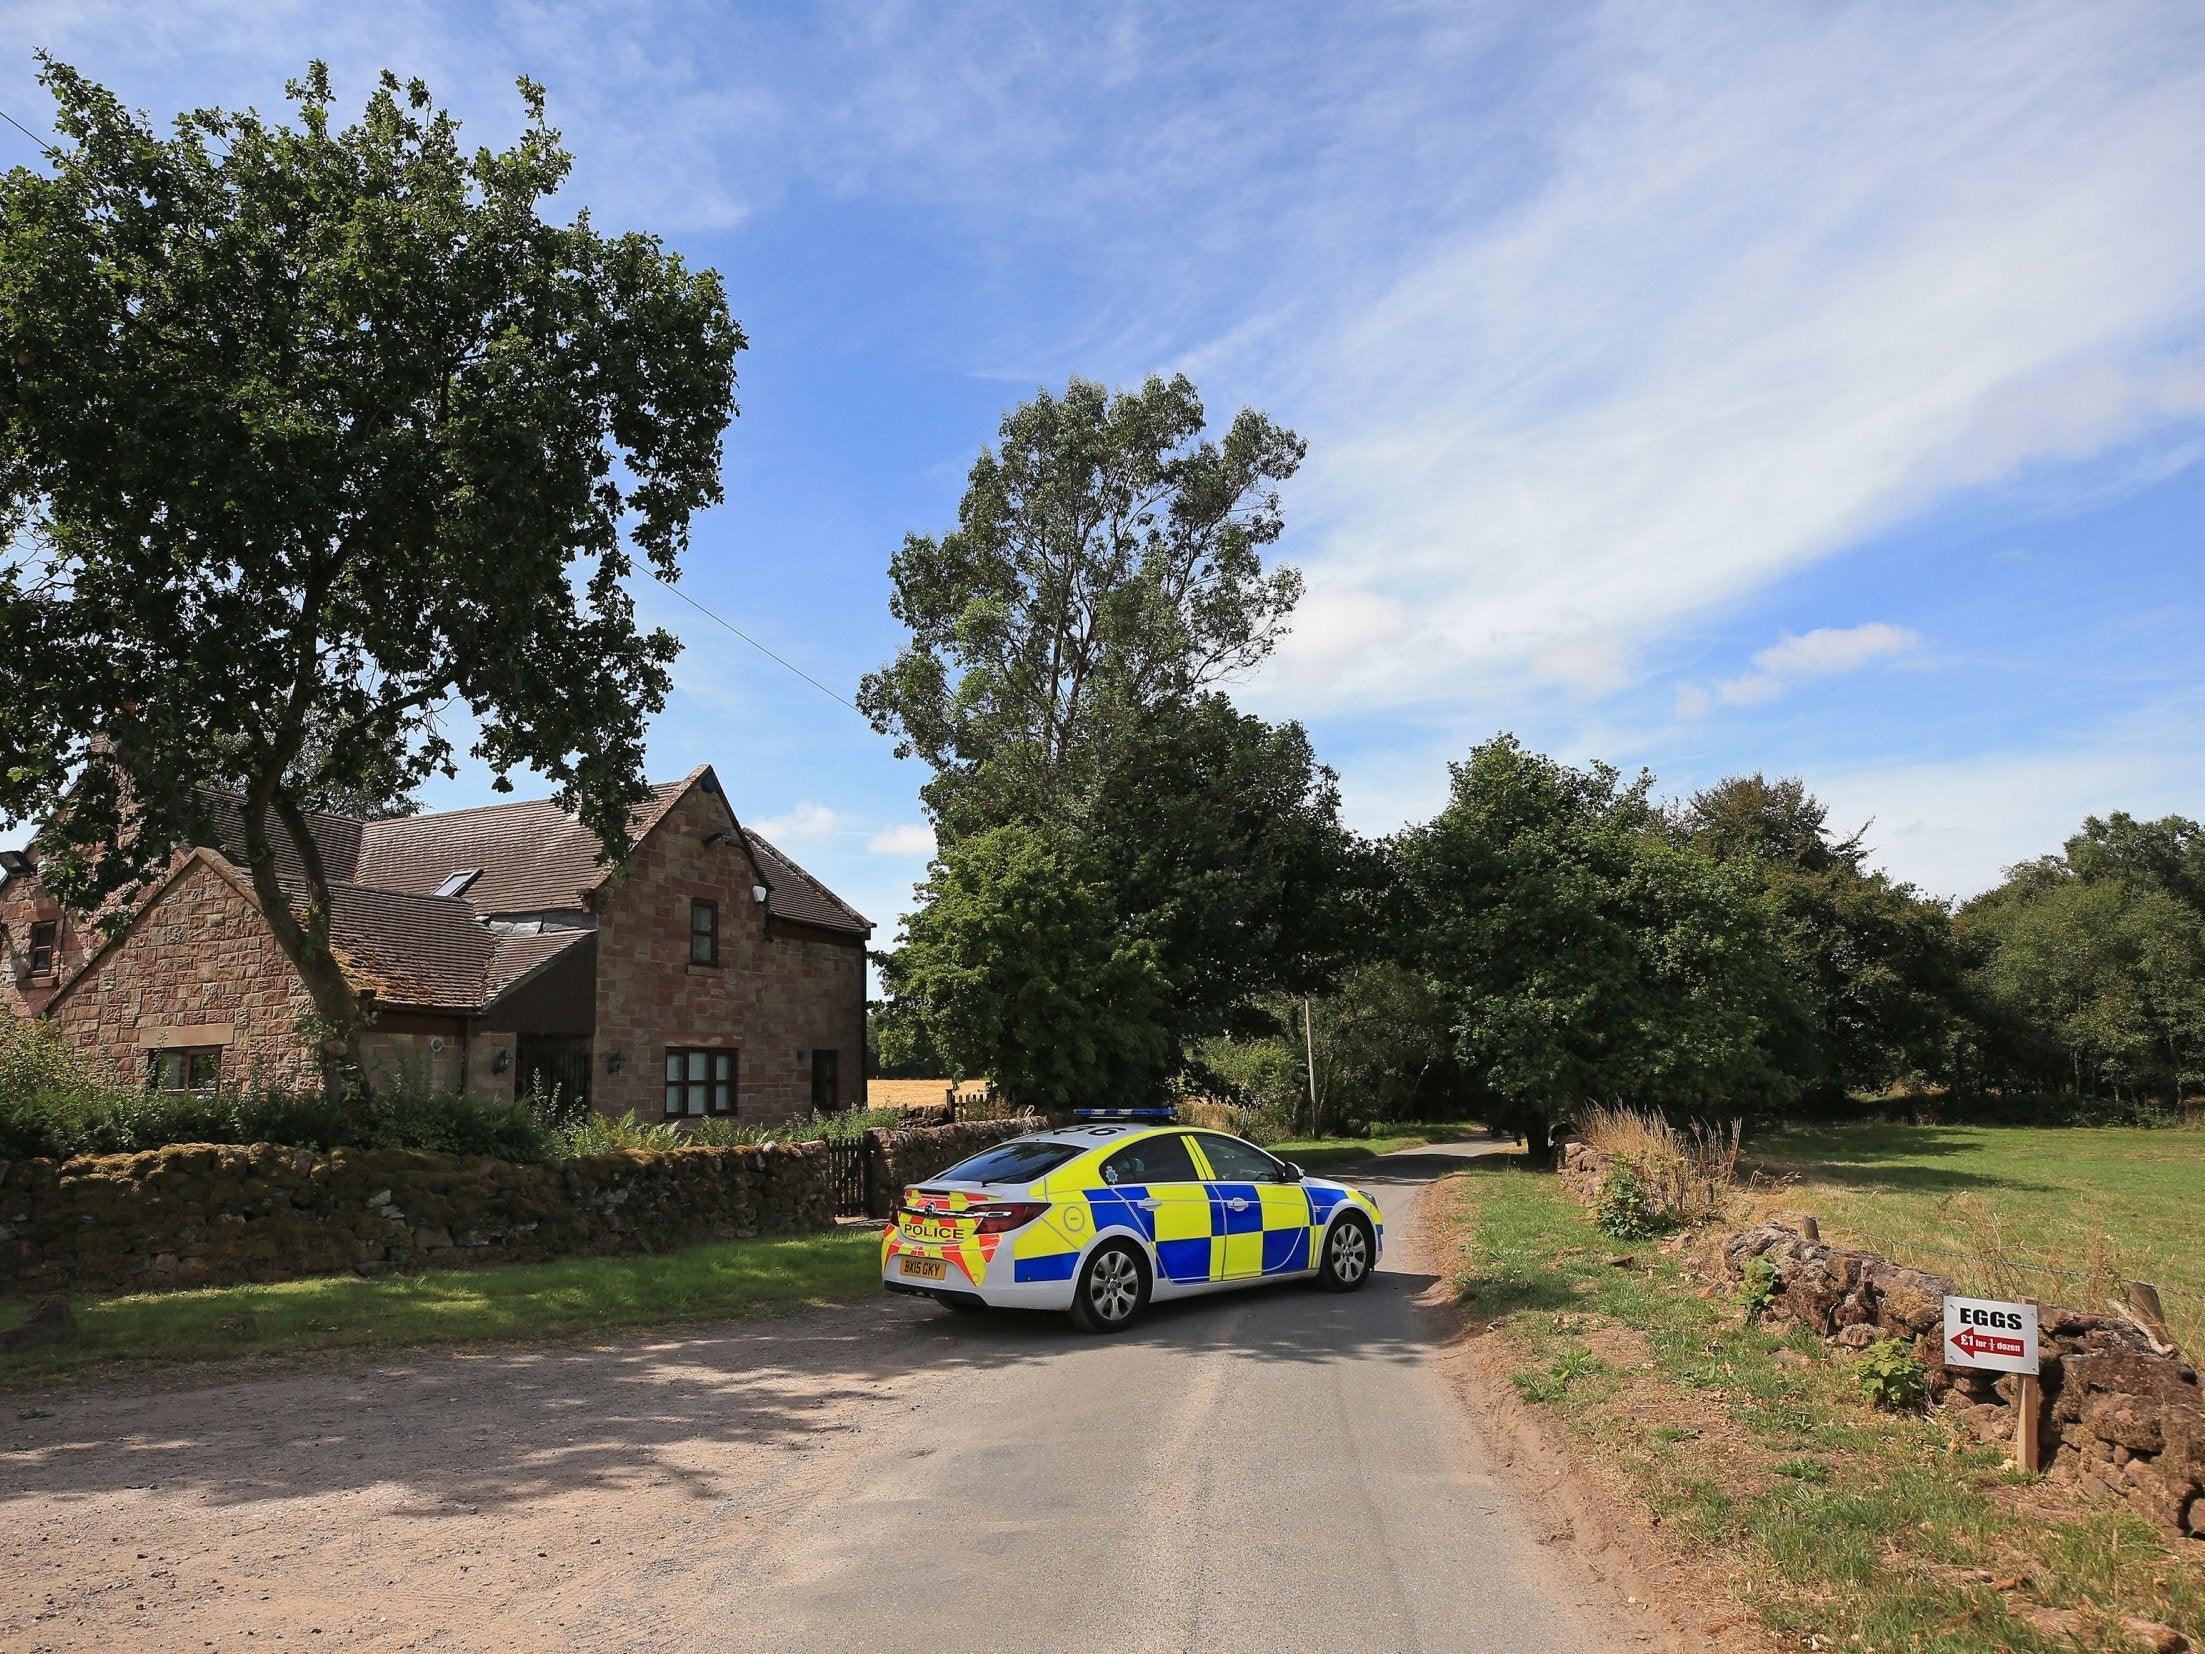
[{"x": 1309, "y": 1051}]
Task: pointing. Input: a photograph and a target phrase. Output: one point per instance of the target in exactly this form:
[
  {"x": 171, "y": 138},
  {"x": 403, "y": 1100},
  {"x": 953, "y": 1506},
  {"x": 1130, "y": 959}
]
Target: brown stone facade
[
  {"x": 196, "y": 967},
  {"x": 24, "y": 905},
  {"x": 780, "y": 994}
]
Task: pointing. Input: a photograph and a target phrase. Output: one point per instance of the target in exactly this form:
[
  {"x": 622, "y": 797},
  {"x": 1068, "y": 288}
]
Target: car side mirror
[{"x": 1289, "y": 1172}]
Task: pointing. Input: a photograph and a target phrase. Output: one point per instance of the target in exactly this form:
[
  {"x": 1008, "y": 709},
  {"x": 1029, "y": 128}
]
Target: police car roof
[{"x": 1102, "y": 1132}]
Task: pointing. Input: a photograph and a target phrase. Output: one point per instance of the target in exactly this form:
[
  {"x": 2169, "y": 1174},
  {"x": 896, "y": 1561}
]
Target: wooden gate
[{"x": 847, "y": 1162}]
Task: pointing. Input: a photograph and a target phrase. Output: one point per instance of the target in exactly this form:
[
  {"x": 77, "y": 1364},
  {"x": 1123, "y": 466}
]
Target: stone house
[{"x": 706, "y": 974}]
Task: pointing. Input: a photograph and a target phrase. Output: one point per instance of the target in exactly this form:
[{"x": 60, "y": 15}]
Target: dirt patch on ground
[
  {"x": 484, "y": 1500},
  {"x": 1587, "y": 1504}
]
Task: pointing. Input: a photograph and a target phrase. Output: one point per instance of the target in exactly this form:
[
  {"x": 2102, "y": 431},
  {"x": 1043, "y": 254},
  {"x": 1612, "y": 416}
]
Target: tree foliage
[
  {"x": 1580, "y": 955},
  {"x": 1068, "y": 640},
  {"x": 1107, "y": 562},
  {"x": 1874, "y": 962},
  {"x": 310, "y": 433}
]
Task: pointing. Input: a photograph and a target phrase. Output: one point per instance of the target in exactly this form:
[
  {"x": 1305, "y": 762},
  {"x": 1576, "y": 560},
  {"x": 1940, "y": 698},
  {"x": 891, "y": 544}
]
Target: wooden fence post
[{"x": 2026, "y": 1408}]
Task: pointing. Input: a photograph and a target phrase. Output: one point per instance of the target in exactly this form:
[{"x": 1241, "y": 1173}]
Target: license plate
[{"x": 926, "y": 1269}]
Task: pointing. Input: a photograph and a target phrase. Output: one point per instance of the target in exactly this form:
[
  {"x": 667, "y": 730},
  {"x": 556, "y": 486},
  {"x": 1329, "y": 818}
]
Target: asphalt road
[{"x": 1280, "y": 1469}]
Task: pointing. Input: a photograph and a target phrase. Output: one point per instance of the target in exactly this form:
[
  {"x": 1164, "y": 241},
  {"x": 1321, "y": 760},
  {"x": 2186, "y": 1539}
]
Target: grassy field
[
  {"x": 2059, "y": 1215},
  {"x": 1825, "y": 1518},
  {"x": 576, "y": 1297}
]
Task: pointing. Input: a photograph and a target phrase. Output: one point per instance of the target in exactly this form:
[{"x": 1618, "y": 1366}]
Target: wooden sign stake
[{"x": 2026, "y": 1453}]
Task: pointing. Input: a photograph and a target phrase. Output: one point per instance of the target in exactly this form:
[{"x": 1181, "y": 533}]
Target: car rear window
[{"x": 1019, "y": 1161}]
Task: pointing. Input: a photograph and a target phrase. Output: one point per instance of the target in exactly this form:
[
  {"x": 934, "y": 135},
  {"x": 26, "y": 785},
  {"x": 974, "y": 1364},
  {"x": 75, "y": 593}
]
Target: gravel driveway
[{"x": 1282, "y": 1458}]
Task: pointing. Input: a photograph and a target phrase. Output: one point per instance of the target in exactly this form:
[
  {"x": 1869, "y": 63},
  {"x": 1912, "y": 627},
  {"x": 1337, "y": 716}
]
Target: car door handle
[
  {"x": 1238, "y": 1203},
  {"x": 1148, "y": 1205}
]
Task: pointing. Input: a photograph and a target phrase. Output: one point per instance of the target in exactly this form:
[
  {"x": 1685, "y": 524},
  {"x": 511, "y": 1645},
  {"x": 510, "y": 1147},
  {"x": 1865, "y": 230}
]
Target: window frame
[
  {"x": 709, "y": 935},
  {"x": 1179, "y": 1139},
  {"x": 720, "y": 1095},
  {"x": 190, "y": 1057},
  {"x": 1206, "y": 1138},
  {"x": 50, "y": 929}
]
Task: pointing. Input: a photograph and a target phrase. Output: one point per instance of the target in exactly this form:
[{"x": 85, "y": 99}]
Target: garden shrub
[
  {"x": 1757, "y": 1290},
  {"x": 1626, "y": 1207},
  {"x": 1890, "y": 1377}
]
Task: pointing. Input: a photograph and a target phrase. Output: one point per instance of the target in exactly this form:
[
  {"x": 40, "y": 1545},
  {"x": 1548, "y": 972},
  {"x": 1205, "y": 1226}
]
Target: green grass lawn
[
  {"x": 2066, "y": 1209},
  {"x": 1315, "y": 1154},
  {"x": 1755, "y": 1450},
  {"x": 732, "y": 1280}
]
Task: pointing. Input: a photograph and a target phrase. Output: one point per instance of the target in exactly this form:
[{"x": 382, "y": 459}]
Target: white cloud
[
  {"x": 805, "y": 821},
  {"x": 1825, "y": 651},
  {"x": 1788, "y": 275},
  {"x": 913, "y": 838}
]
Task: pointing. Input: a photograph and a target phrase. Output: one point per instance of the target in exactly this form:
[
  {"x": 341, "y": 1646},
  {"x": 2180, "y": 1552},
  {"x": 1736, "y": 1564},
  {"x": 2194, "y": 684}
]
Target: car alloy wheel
[
  {"x": 1112, "y": 1289},
  {"x": 1347, "y": 1255}
]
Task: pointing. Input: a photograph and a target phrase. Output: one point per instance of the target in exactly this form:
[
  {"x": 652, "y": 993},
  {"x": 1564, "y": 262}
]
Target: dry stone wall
[
  {"x": 901, "y": 1158},
  {"x": 2121, "y": 1418},
  {"x": 2118, "y": 1416},
  {"x": 206, "y": 1215}
]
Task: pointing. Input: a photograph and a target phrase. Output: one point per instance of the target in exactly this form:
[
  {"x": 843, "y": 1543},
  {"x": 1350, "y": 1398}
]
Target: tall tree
[
  {"x": 1581, "y": 957},
  {"x": 1068, "y": 642},
  {"x": 1874, "y": 961},
  {"x": 310, "y": 432},
  {"x": 1107, "y": 560}
]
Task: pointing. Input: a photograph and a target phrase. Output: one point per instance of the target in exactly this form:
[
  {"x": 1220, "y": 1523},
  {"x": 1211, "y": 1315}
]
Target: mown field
[
  {"x": 1836, "y": 1525},
  {"x": 2059, "y": 1215}
]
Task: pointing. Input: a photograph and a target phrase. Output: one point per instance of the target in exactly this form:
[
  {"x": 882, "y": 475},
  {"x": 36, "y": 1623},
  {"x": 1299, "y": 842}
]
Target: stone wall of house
[
  {"x": 24, "y": 902},
  {"x": 198, "y": 968},
  {"x": 202, "y": 1215},
  {"x": 774, "y": 999},
  {"x": 902, "y": 1158},
  {"x": 2122, "y": 1418}
]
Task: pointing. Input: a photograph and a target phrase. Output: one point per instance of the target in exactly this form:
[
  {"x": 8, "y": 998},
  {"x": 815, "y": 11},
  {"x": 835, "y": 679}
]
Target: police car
[{"x": 1105, "y": 1216}]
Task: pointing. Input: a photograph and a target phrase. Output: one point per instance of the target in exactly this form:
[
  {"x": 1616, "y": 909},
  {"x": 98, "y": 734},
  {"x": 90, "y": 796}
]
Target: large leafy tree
[
  {"x": 1874, "y": 961},
  {"x": 1107, "y": 561},
  {"x": 311, "y": 432},
  {"x": 1068, "y": 642},
  {"x": 1583, "y": 958}
]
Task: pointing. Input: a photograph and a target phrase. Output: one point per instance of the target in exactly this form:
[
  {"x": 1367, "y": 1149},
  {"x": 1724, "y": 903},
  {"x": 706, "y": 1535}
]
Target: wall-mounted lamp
[
  {"x": 758, "y": 894},
  {"x": 503, "y": 1060},
  {"x": 613, "y": 1063}
]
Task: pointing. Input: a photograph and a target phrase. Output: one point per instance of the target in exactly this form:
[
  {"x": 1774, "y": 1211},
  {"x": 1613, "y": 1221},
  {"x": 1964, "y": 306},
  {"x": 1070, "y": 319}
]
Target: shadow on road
[{"x": 467, "y": 1432}]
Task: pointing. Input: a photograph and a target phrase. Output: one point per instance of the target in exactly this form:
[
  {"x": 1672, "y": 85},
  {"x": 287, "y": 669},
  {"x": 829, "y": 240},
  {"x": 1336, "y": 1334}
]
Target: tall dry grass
[{"x": 1690, "y": 1172}]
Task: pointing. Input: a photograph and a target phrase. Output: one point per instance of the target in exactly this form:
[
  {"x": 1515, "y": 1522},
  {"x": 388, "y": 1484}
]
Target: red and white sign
[{"x": 1991, "y": 1334}]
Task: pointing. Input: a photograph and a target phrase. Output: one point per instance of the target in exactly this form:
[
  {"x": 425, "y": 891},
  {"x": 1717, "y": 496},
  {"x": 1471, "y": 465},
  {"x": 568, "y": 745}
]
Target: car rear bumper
[{"x": 956, "y": 1285}]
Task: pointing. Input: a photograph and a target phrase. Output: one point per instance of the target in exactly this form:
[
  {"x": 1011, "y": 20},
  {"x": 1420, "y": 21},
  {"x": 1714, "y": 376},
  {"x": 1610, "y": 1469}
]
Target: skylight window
[{"x": 459, "y": 881}]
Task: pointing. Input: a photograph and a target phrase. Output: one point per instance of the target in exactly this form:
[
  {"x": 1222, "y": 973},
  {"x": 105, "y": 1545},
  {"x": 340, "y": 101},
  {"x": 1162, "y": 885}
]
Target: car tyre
[
  {"x": 1350, "y": 1250},
  {"x": 1112, "y": 1289}
]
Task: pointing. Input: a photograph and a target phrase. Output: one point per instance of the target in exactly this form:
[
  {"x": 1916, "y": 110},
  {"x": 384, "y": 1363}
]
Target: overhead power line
[
  {"x": 755, "y": 644},
  {"x": 28, "y": 133}
]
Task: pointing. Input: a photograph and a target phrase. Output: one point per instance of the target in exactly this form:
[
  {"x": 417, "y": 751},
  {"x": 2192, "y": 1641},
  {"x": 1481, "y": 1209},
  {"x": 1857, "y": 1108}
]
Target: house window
[
  {"x": 45, "y": 937},
  {"x": 826, "y": 1081},
  {"x": 187, "y": 1068},
  {"x": 699, "y": 1081},
  {"x": 704, "y": 932}
]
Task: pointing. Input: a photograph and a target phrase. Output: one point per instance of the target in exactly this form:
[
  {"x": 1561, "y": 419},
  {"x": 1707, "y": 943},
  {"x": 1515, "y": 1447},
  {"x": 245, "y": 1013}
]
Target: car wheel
[
  {"x": 1347, "y": 1257},
  {"x": 1112, "y": 1289}
]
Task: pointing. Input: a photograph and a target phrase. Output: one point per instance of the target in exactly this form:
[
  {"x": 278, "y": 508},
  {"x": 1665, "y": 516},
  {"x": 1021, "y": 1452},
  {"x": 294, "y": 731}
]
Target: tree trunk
[{"x": 303, "y": 935}]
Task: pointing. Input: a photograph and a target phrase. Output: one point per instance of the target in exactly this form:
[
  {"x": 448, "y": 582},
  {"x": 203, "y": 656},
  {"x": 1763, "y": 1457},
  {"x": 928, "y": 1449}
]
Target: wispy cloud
[
  {"x": 804, "y": 822},
  {"x": 1821, "y": 653},
  {"x": 910, "y": 839},
  {"x": 1790, "y": 275}
]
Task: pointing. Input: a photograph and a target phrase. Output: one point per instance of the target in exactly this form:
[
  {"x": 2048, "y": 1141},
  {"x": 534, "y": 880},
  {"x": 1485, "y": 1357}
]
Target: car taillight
[{"x": 1005, "y": 1216}]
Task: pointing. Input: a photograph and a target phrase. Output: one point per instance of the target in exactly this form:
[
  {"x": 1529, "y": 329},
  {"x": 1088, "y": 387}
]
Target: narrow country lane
[{"x": 1281, "y": 1468}]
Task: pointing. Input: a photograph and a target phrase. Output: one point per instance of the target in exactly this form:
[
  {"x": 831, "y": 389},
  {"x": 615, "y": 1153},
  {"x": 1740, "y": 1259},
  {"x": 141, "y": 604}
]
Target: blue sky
[{"x": 1817, "y": 389}]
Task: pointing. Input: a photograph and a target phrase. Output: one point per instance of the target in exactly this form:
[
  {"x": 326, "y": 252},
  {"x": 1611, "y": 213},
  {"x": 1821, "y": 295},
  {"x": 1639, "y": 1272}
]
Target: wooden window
[
  {"x": 699, "y": 1080},
  {"x": 187, "y": 1068},
  {"x": 704, "y": 932},
  {"x": 45, "y": 943},
  {"x": 826, "y": 1081}
]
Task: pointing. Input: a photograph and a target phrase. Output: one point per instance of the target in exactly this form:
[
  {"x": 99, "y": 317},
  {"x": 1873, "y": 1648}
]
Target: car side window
[
  {"x": 1152, "y": 1160},
  {"x": 1238, "y": 1162}
]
